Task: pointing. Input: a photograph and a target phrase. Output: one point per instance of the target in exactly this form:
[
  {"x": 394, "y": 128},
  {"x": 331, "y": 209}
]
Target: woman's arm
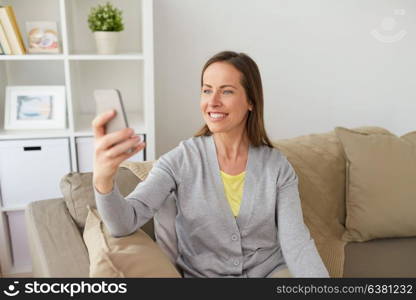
[
  {"x": 298, "y": 247},
  {"x": 123, "y": 216}
]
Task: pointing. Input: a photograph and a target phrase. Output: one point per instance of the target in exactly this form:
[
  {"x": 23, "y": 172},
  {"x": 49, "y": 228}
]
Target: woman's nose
[{"x": 215, "y": 99}]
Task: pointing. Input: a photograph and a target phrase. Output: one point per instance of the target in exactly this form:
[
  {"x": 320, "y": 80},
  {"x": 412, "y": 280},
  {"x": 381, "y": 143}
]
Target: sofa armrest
[{"x": 55, "y": 242}]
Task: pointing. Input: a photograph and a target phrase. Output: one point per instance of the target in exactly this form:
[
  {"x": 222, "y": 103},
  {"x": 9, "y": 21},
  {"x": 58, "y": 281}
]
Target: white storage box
[
  {"x": 85, "y": 153},
  {"x": 18, "y": 239},
  {"x": 32, "y": 169}
]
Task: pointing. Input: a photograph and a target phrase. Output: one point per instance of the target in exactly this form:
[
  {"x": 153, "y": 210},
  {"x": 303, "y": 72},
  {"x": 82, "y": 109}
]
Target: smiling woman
[
  {"x": 225, "y": 107},
  {"x": 233, "y": 80},
  {"x": 236, "y": 209}
]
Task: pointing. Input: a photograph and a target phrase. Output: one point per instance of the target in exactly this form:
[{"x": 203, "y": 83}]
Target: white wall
[{"x": 324, "y": 63}]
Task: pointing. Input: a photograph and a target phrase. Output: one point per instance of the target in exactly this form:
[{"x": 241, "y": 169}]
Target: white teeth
[{"x": 216, "y": 115}]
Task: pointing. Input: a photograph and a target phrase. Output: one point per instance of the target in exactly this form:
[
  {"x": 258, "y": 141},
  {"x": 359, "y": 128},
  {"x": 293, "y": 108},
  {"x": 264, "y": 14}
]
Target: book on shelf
[
  {"x": 4, "y": 43},
  {"x": 14, "y": 37}
]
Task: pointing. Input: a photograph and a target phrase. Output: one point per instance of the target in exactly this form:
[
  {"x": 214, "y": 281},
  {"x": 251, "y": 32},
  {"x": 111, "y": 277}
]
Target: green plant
[{"x": 105, "y": 18}]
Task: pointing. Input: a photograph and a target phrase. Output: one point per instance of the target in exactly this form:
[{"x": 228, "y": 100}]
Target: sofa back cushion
[
  {"x": 319, "y": 162},
  {"x": 78, "y": 193},
  {"x": 381, "y": 189}
]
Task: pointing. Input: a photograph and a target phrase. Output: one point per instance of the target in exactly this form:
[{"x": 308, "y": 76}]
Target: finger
[
  {"x": 98, "y": 124},
  {"x": 117, "y": 137},
  {"x": 118, "y": 149},
  {"x": 122, "y": 157}
]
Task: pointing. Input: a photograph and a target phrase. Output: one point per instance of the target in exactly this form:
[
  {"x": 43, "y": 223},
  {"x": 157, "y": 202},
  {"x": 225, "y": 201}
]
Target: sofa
[{"x": 55, "y": 226}]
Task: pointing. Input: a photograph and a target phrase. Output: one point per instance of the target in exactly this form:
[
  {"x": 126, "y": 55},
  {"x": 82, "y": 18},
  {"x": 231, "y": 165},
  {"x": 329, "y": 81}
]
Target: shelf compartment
[
  {"x": 86, "y": 76},
  {"x": 81, "y": 39},
  {"x": 85, "y": 153},
  {"x": 21, "y": 73},
  {"x": 43, "y": 10},
  {"x": 32, "y": 72},
  {"x": 21, "y": 162}
]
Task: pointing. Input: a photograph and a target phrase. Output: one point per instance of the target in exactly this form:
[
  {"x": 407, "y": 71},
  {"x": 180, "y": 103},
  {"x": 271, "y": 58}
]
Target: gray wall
[{"x": 324, "y": 63}]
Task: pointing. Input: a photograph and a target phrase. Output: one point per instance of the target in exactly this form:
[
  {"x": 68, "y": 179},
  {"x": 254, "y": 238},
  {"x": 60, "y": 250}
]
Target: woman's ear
[{"x": 250, "y": 104}]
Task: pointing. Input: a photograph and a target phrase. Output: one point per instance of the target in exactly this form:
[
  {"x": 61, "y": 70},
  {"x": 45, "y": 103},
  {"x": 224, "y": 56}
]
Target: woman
[{"x": 238, "y": 211}]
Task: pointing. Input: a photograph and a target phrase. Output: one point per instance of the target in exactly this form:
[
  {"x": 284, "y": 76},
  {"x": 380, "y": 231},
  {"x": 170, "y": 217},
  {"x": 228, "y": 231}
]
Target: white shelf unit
[{"x": 81, "y": 71}]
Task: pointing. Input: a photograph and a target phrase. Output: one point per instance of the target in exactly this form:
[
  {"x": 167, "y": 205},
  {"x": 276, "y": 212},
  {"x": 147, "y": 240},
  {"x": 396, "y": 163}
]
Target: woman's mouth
[{"x": 216, "y": 116}]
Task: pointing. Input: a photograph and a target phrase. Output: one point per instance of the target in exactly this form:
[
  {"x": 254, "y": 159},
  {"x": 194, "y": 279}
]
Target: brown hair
[{"x": 251, "y": 81}]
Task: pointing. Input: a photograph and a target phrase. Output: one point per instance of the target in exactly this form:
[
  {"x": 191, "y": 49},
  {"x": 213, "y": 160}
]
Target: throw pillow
[
  {"x": 135, "y": 255},
  {"x": 380, "y": 185},
  {"x": 78, "y": 191}
]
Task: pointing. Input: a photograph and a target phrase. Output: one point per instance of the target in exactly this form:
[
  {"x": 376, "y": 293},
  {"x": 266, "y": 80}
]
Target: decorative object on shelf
[
  {"x": 42, "y": 37},
  {"x": 35, "y": 107},
  {"x": 106, "y": 22}
]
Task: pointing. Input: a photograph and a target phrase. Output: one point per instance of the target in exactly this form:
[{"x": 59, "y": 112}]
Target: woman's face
[{"x": 224, "y": 103}]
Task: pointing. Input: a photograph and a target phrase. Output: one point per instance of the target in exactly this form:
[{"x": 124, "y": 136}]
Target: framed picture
[
  {"x": 42, "y": 37},
  {"x": 35, "y": 107}
]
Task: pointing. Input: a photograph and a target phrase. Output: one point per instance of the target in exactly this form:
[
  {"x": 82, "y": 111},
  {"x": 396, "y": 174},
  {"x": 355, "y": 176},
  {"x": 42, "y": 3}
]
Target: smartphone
[
  {"x": 107, "y": 100},
  {"x": 111, "y": 99}
]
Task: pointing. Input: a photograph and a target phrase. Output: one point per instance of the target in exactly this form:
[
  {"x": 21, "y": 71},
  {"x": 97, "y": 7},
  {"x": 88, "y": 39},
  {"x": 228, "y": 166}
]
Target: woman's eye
[
  {"x": 206, "y": 91},
  {"x": 228, "y": 92}
]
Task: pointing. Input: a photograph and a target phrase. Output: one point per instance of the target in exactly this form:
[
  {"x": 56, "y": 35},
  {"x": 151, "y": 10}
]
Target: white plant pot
[{"x": 106, "y": 41}]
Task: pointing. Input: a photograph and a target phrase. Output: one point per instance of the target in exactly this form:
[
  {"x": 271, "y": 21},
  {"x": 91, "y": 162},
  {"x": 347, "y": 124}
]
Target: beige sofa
[{"x": 55, "y": 226}]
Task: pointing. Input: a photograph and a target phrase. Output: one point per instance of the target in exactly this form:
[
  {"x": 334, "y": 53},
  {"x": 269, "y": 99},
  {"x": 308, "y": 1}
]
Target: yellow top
[{"x": 233, "y": 187}]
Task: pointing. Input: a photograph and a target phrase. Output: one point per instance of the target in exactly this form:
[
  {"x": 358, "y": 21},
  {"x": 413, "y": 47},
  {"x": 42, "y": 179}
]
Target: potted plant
[{"x": 106, "y": 22}]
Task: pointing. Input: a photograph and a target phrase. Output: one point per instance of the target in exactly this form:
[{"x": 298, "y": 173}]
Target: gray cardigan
[{"x": 268, "y": 234}]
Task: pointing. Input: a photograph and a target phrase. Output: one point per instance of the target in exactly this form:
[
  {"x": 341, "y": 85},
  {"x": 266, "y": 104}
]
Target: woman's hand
[{"x": 110, "y": 150}]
